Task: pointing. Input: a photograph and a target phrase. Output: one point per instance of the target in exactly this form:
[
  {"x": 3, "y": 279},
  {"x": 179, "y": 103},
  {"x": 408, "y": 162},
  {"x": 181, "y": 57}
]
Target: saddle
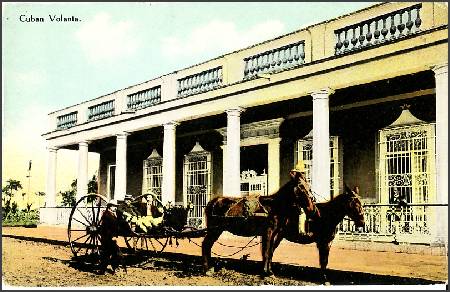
[{"x": 247, "y": 207}]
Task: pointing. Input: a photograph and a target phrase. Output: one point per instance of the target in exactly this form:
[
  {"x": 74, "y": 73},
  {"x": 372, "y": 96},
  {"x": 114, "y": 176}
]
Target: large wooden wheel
[
  {"x": 83, "y": 229},
  {"x": 143, "y": 241}
]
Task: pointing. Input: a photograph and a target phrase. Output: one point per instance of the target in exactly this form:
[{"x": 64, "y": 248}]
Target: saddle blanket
[{"x": 247, "y": 207}]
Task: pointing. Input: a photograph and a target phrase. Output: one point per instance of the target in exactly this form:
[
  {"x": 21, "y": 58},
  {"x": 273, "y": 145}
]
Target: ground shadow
[{"x": 183, "y": 265}]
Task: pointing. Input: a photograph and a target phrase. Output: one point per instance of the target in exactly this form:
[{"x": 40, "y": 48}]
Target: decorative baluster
[
  {"x": 302, "y": 53},
  {"x": 258, "y": 64},
  {"x": 339, "y": 44},
  {"x": 246, "y": 69},
  {"x": 214, "y": 79},
  {"x": 285, "y": 56},
  {"x": 377, "y": 33},
  {"x": 346, "y": 41},
  {"x": 369, "y": 33},
  {"x": 274, "y": 59},
  {"x": 393, "y": 29},
  {"x": 220, "y": 76},
  {"x": 354, "y": 39},
  {"x": 409, "y": 23},
  {"x": 296, "y": 54},
  {"x": 418, "y": 21},
  {"x": 361, "y": 35},
  {"x": 268, "y": 61},
  {"x": 401, "y": 25},
  {"x": 384, "y": 30},
  {"x": 290, "y": 58}
]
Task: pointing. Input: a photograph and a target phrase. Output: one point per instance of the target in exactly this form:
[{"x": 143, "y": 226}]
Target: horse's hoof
[
  {"x": 209, "y": 272},
  {"x": 268, "y": 274}
]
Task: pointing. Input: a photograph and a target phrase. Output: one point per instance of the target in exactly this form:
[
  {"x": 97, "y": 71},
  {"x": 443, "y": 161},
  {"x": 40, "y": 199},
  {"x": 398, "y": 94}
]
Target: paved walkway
[{"x": 429, "y": 267}]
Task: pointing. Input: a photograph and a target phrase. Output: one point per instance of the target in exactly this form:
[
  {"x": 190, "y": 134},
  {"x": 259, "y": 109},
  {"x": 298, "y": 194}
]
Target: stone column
[
  {"x": 168, "y": 163},
  {"x": 441, "y": 76},
  {"x": 225, "y": 190},
  {"x": 50, "y": 196},
  {"x": 233, "y": 178},
  {"x": 82, "y": 179},
  {"x": 120, "y": 188},
  {"x": 320, "y": 177},
  {"x": 273, "y": 159}
]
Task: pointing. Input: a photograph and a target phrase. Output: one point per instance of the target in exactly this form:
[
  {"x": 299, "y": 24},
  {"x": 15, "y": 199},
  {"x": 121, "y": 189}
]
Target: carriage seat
[{"x": 247, "y": 207}]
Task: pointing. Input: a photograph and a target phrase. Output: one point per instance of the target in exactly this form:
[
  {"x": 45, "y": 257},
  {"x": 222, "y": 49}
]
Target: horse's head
[
  {"x": 353, "y": 205},
  {"x": 303, "y": 194}
]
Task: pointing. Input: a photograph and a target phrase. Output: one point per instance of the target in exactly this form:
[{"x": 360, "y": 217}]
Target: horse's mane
[{"x": 337, "y": 200}]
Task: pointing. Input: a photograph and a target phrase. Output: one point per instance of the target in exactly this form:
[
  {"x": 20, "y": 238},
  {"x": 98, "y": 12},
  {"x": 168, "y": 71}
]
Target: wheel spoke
[
  {"x": 71, "y": 230},
  {"x": 93, "y": 212},
  {"x": 80, "y": 237},
  {"x": 87, "y": 220},
  {"x": 79, "y": 221},
  {"x": 81, "y": 245},
  {"x": 88, "y": 248}
]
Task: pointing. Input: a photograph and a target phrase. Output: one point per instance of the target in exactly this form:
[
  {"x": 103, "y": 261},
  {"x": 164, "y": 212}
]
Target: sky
[{"x": 49, "y": 65}]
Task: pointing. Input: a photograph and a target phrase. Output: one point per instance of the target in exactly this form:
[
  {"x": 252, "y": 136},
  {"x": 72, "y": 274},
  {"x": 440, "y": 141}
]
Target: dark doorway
[{"x": 254, "y": 158}]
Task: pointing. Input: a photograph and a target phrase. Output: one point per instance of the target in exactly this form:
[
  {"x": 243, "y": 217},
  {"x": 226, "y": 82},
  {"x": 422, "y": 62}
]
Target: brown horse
[
  {"x": 324, "y": 228},
  {"x": 279, "y": 207}
]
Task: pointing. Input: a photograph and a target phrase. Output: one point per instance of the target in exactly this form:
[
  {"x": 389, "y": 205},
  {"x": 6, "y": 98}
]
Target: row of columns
[{"x": 231, "y": 172}]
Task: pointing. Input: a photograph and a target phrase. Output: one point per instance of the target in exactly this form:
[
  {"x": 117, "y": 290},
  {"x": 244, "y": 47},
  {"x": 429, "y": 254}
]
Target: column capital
[
  {"x": 274, "y": 140},
  {"x": 323, "y": 93},
  {"x": 52, "y": 148},
  {"x": 236, "y": 111},
  {"x": 122, "y": 135},
  {"x": 440, "y": 69},
  {"x": 84, "y": 143},
  {"x": 170, "y": 125}
]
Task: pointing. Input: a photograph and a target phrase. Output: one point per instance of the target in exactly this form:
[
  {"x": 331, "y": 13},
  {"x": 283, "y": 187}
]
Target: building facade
[{"x": 360, "y": 99}]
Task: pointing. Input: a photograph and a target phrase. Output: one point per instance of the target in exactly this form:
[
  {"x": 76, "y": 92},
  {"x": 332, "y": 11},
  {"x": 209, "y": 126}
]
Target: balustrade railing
[
  {"x": 66, "y": 121},
  {"x": 390, "y": 222},
  {"x": 145, "y": 98},
  {"x": 101, "y": 111},
  {"x": 275, "y": 60},
  {"x": 377, "y": 30},
  {"x": 200, "y": 82}
]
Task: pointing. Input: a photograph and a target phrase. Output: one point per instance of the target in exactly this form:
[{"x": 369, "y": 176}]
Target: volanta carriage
[{"x": 93, "y": 223}]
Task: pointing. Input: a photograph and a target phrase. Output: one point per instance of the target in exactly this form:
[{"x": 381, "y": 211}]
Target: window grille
[
  {"x": 304, "y": 151},
  {"x": 197, "y": 183},
  {"x": 406, "y": 164},
  {"x": 152, "y": 180}
]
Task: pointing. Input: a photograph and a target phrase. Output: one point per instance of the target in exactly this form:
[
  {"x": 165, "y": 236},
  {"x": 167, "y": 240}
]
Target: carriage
[{"x": 143, "y": 223}]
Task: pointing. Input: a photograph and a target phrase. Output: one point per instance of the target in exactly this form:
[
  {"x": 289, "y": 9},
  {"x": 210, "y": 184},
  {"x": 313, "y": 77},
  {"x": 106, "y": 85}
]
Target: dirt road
[{"x": 34, "y": 264}]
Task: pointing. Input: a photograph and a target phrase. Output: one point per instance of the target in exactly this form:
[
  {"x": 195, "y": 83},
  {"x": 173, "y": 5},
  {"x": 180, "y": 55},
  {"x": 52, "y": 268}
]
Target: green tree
[
  {"x": 8, "y": 192},
  {"x": 93, "y": 185},
  {"x": 69, "y": 197}
]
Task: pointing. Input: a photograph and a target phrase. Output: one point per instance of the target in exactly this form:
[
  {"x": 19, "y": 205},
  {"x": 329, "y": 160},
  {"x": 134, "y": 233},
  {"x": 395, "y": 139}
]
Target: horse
[
  {"x": 278, "y": 208},
  {"x": 323, "y": 229}
]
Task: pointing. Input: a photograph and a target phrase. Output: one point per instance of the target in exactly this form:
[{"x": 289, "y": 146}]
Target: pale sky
[{"x": 51, "y": 65}]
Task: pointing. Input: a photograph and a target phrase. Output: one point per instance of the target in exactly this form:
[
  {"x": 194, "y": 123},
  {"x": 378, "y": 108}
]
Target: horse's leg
[
  {"x": 267, "y": 251},
  {"x": 276, "y": 242},
  {"x": 324, "y": 251},
  {"x": 208, "y": 242}
]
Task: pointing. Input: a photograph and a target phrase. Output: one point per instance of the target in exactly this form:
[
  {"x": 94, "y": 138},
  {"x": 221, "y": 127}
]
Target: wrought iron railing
[
  {"x": 200, "y": 82},
  {"x": 377, "y": 30},
  {"x": 66, "y": 121},
  {"x": 412, "y": 223},
  {"x": 145, "y": 98},
  {"x": 275, "y": 60},
  {"x": 101, "y": 111}
]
